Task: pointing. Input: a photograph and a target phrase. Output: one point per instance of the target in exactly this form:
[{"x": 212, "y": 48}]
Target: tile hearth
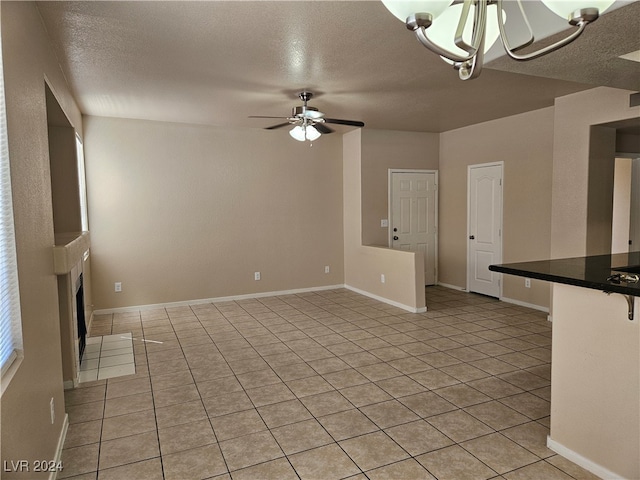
[
  {"x": 322, "y": 385},
  {"x": 107, "y": 356}
]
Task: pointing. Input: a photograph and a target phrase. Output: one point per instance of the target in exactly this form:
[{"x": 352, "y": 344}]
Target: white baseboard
[
  {"x": 60, "y": 446},
  {"x": 135, "y": 308},
  {"x": 386, "y": 300},
  {"x": 452, "y": 287},
  {"x": 525, "y": 304},
  {"x": 247, "y": 296},
  {"x": 504, "y": 299},
  {"x": 584, "y": 462}
]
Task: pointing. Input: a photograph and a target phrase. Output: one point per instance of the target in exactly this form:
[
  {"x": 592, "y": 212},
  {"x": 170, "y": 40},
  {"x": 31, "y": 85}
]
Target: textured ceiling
[
  {"x": 594, "y": 57},
  {"x": 216, "y": 63}
]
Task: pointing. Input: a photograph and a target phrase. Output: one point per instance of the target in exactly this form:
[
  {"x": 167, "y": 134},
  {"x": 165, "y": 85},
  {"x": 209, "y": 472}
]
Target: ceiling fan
[{"x": 309, "y": 123}]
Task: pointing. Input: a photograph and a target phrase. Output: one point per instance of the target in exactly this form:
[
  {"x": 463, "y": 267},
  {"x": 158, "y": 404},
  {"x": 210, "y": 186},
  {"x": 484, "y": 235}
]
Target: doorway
[
  {"x": 625, "y": 223},
  {"x": 413, "y": 210},
  {"x": 484, "y": 227}
]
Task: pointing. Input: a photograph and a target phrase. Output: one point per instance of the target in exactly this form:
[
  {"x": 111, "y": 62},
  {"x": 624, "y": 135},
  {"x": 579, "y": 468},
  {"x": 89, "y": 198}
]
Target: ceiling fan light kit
[
  {"x": 461, "y": 33},
  {"x": 309, "y": 123},
  {"x": 301, "y": 133}
]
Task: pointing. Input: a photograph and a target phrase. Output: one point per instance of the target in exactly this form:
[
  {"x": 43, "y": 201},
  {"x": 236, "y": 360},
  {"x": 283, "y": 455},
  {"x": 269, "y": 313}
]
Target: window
[
  {"x": 10, "y": 318},
  {"x": 84, "y": 220}
]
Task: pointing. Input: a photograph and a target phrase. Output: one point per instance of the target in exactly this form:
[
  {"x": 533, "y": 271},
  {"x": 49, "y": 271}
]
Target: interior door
[
  {"x": 485, "y": 228},
  {"x": 413, "y": 217}
]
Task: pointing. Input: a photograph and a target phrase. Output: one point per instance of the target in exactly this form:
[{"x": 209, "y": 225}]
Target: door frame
[
  {"x": 390, "y": 173},
  {"x": 501, "y": 219}
]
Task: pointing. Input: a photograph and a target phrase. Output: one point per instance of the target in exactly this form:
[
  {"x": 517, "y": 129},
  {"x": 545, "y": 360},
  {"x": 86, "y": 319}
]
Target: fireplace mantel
[{"x": 68, "y": 250}]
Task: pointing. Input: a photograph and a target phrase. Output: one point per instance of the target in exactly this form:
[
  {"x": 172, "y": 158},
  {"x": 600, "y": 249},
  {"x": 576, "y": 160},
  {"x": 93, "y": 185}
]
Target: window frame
[{"x": 11, "y": 346}]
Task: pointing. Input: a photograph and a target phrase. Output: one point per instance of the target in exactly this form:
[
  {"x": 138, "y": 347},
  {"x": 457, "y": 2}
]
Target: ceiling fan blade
[
  {"x": 322, "y": 128},
  {"x": 353, "y": 123},
  {"x": 263, "y": 116},
  {"x": 280, "y": 125}
]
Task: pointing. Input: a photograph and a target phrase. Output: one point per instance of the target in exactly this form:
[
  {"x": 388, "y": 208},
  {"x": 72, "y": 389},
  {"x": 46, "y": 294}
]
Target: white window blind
[{"x": 10, "y": 318}]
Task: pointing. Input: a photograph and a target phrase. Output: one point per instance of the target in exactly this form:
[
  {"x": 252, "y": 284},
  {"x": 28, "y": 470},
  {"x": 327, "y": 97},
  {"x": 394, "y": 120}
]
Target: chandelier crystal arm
[{"x": 580, "y": 19}]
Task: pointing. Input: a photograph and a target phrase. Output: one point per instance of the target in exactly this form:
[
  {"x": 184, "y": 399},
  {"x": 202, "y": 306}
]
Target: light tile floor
[
  {"x": 322, "y": 385},
  {"x": 106, "y": 357}
]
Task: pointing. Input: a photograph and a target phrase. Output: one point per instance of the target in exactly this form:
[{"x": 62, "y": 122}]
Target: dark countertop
[{"x": 588, "y": 272}]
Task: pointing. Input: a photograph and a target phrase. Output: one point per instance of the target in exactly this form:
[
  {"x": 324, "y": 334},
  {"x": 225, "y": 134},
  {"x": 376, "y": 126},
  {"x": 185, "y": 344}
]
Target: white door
[
  {"x": 485, "y": 228},
  {"x": 413, "y": 217}
]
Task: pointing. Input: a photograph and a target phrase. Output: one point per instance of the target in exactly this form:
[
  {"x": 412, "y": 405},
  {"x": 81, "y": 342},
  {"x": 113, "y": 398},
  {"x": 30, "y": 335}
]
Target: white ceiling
[{"x": 217, "y": 62}]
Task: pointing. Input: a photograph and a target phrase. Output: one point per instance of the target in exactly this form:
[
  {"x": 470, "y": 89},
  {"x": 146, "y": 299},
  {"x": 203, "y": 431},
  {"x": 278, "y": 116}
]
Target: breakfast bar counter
[
  {"x": 597, "y": 272},
  {"x": 595, "y": 366}
]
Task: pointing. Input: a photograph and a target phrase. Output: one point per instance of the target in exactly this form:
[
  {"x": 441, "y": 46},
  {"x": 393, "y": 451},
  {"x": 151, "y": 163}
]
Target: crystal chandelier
[{"x": 462, "y": 32}]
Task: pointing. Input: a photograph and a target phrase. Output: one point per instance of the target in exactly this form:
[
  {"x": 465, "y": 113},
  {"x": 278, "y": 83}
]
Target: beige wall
[
  {"x": 593, "y": 415},
  {"x": 382, "y": 150},
  {"x": 602, "y": 147},
  {"x": 525, "y": 144},
  {"x": 595, "y": 381},
  {"x": 628, "y": 144},
  {"x": 154, "y": 187},
  {"x": 574, "y": 116},
  {"x": 364, "y": 265},
  {"x": 27, "y": 432},
  {"x": 184, "y": 212},
  {"x": 64, "y": 184}
]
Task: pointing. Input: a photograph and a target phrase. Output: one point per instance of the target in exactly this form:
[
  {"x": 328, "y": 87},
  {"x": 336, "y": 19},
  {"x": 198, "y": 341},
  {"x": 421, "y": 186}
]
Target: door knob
[
  {"x": 395, "y": 237},
  {"x": 395, "y": 229},
  {"x": 472, "y": 237}
]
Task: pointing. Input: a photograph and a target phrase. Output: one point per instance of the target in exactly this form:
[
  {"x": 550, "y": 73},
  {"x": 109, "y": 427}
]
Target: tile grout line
[{"x": 359, "y": 323}]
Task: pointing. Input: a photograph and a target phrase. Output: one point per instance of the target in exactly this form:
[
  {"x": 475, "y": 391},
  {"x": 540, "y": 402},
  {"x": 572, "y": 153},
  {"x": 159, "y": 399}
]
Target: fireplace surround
[{"x": 71, "y": 255}]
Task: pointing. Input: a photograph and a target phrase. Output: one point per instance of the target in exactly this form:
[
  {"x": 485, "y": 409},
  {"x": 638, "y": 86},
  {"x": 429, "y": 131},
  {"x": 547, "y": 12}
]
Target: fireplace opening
[{"x": 82, "y": 326}]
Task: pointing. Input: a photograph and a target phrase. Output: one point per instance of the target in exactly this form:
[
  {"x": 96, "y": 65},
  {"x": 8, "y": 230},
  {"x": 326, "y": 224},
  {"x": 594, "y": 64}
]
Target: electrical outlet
[
  {"x": 256, "y": 276},
  {"x": 118, "y": 286},
  {"x": 52, "y": 408},
  {"x": 527, "y": 283},
  {"x": 382, "y": 278},
  {"x": 326, "y": 269}
]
